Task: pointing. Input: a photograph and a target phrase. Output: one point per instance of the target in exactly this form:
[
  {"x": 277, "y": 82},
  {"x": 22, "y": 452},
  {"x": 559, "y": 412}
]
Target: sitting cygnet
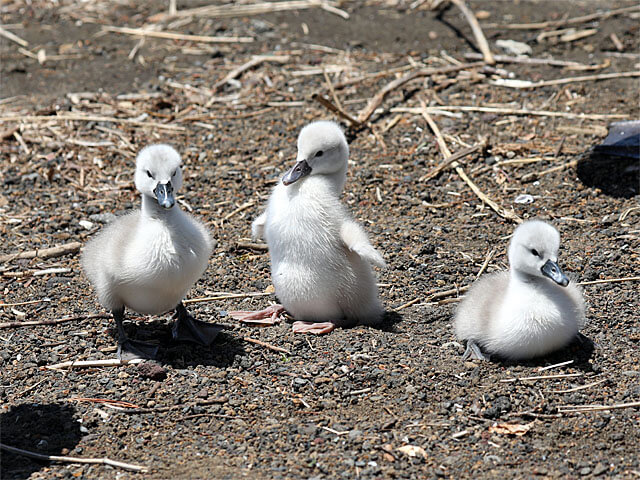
[
  {"x": 528, "y": 311},
  {"x": 147, "y": 260},
  {"x": 320, "y": 257}
]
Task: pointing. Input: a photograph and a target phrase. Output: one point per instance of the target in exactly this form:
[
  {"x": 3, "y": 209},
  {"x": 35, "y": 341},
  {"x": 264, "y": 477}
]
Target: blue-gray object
[{"x": 623, "y": 140}]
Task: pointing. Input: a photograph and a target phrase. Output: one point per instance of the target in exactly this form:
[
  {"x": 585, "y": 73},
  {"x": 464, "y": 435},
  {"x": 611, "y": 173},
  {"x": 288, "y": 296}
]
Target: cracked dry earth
[{"x": 394, "y": 402}]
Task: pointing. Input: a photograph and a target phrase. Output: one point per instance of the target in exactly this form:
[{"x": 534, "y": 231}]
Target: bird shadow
[
  {"x": 440, "y": 17},
  {"x": 221, "y": 353},
  {"x": 47, "y": 429},
  {"x": 580, "y": 350},
  {"x": 389, "y": 321},
  {"x": 615, "y": 176}
]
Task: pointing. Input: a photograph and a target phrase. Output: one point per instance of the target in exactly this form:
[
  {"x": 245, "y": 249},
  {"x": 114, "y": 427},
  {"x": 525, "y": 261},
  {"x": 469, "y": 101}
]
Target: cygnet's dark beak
[
  {"x": 554, "y": 272},
  {"x": 164, "y": 195},
  {"x": 299, "y": 170}
]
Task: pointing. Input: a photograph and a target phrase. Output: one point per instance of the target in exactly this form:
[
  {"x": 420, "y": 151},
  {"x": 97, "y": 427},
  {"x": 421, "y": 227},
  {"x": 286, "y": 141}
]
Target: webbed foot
[
  {"x": 473, "y": 352},
  {"x": 317, "y": 328},
  {"x": 129, "y": 349},
  {"x": 585, "y": 341},
  {"x": 268, "y": 316},
  {"x": 188, "y": 329}
]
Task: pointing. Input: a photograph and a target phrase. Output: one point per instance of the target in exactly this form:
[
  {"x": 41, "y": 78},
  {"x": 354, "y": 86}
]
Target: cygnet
[
  {"x": 148, "y": 259},
  {"x": 529, "y": 311},
  {"x": 320, "y": 257}
]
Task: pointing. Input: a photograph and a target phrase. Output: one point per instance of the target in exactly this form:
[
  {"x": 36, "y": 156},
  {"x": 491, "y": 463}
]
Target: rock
[
  {"x": 152, "y": 370},
  {"x": 102, "y": 217},
  {"x": 600, "y": 469},
  {"x": 204, "y": 393}
]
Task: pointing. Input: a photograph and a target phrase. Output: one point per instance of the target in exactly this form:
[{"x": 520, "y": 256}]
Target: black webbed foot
[
  {"x": 129, "y": 349},
  {"x": 473, "y": 352},
  {"x": 188, "y": 329}
]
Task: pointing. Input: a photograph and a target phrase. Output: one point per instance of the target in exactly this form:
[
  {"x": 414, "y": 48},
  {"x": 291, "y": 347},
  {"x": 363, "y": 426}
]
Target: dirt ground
[{"x": 394, "y": 402}]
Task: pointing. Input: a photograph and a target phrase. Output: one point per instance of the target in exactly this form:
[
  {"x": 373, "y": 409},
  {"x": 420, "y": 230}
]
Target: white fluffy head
[
  {"x": 533, "y": 244},
  {"x": 157, "y": 164},
  {"x": 324, "y": 147}
]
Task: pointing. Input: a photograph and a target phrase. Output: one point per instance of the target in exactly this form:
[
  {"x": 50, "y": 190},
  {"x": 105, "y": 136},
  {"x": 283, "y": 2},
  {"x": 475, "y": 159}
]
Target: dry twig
[
  {"x": 454, "y": 158},
  {"x": 266, "y": 345},
  {"x": 561, "y": 23},
  {"x": 596, "y": 408},
  {"x": 13, "y": 37},
  {"x": 224, "y": 297},
  {"x": 520, "y": 84},
  {"x": 254, "y": 62},
  {"x": 53, "y": 322},
  {"x": 483, "y": 45},
  {"x": 66, "y": 117},
  {"x": 176, "y": 36},
  {"x": 377, "y": 99},
  {"x": 581, "y": 387},
  {"x": 527, "y": 60},
  {"x": 241, "y": 10},
  {"x": 112, "y": 362},
  {"x": 56, "y": 458},
  {"x": 252, "y": 246},
  {"x": 214, "y": 401},
  {"x": 507, "y": 214},
  {"x": 611, "y": 280},
  {"x": 485, "y": 264},
  {"x": 530, "y": 177},
  {"x": 51, "y": 252},
  {"x": 555, "y": 365},
  {"x": 508, "y": 111},
  {"x": 541, "y": 377},
  {"x": 325, "y": 102}
]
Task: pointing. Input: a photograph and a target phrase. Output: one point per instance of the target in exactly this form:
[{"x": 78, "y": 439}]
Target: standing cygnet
[
  {"x": 320, "y": 257},
  {"x": 147, "y": 260},
  {"x": 528, "y": 311}
]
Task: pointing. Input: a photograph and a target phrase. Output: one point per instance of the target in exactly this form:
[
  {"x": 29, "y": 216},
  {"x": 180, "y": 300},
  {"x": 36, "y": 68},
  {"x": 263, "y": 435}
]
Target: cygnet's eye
[
  {"x": 535, "y": 252},
  {"x": 149, "y": 174},
  {"x": 319, "y": 153}
]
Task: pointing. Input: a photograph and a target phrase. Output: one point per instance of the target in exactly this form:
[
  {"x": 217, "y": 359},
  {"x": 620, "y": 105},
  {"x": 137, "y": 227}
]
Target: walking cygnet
[
  {"x": 320, "y": 257},
  {"x": 147, "y": 260},
  {"x": 528, "y": 311}
]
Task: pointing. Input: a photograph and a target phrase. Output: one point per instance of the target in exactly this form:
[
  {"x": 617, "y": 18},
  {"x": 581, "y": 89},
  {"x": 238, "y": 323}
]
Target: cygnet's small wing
[
  {"x": 479, "y": 306},
  {"x": 356, "y": 240},
  {"x": 257, "y": 227},
  {"x": 102, "y": 256},
  {"x": 574, "y": 291}
]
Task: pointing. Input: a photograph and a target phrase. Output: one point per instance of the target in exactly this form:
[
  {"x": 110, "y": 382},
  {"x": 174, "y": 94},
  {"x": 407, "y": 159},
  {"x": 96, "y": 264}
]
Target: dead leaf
[
  {"x": 270, "y": 289},
  {"x": 510, "y": 428},
  {"x": 413, "y": 451}
]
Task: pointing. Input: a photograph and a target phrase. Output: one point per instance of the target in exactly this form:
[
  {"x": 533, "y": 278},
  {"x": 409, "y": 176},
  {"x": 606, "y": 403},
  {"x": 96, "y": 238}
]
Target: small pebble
[{"x": 600, "y": 469}]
